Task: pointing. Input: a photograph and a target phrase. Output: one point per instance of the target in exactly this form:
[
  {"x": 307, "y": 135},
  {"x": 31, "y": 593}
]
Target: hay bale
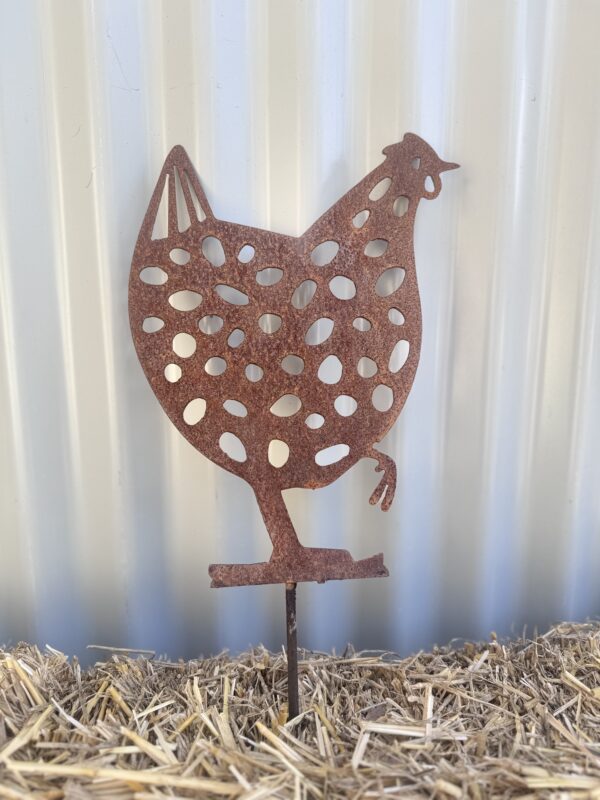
[{"x": 520, "y": 719}]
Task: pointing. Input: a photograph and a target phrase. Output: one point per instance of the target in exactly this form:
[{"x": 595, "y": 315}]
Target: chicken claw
[{"x": 386, "y": 487}]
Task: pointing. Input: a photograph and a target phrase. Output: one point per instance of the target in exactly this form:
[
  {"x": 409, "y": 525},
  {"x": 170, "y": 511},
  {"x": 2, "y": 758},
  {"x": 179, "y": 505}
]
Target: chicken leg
[{"x": 290, "y": 561}]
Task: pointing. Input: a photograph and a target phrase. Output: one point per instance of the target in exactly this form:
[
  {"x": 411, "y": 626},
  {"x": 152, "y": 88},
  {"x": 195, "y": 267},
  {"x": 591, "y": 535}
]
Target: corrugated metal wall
[{"x": 108, "y": 517}]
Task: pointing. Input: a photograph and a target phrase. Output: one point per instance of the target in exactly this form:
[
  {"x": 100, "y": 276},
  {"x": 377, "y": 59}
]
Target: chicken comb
[{"x": 285, "y": 359}]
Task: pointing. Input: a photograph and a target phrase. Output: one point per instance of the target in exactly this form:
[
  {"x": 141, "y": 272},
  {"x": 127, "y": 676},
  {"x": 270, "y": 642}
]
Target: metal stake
[{"x": 292, "y": 650}]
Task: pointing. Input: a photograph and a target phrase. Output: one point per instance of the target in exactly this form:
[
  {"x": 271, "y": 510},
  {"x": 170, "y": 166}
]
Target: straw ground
[{"x": 520, "y": 719}]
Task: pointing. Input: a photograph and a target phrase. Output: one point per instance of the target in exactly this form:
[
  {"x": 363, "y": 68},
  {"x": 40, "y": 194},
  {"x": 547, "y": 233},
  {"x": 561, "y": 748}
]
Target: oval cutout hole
[
  {"x": 395, "y": 316},
  {"x": 399, "y": 355},
  {"x": 179, "y": 256},
  {"x": 330, "y": 370},
  {"x": 269, "y": 323},
  {"x": 400, "y": 206},
  {"x": 210, "y": 324},
  {"x": 184, "y": 345},
  {"x": 382, "y": 397},
  {"x": 303, "y": 294},
  {"x": 389, "y": 281},
  {"x": 286, "y": 406},
  {"x": 319, "y": 331},
  {"x": 359, "y": 219},
  {"x": 269, "y": 276},
  {"x": 324, "y": 253},
  {"x": 185, "y": 300},
  {"x": 231, "y": 295},
  {"x": 254, "y": 373},
  {"x": 215, "y": 366},
  {"x": 235, "y": 408},
  {"x": 380, "y": 189},
  {"x": 233, "y": 447},
  {"x": 236, "y": 337},
  {"x": 345, "y": 405},
  {"x": 292, "y": 364},
  {"x": 152, "y": 324},
  {"x": 376, "y": 248},
  {"x": 362, "y": 324},
  {"x": 342, "y": 288},
  {"x": 366, "y": 367},
  {"x": 429, "y": 184},
  {"x": 314, "y": 421},
  {"x": 194, "y": 411},
  {"x": 279, "y": 453},
  {"x": 173, "y": 373},
  {"x": 153, "y": 276},
  {"x": 213, "y": 252},
  {"x": 246, "y": 254},
  {"x": 331, "y": 455}
]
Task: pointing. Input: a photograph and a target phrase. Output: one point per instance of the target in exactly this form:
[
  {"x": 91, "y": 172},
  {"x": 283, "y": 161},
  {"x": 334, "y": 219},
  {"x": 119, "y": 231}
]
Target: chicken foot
[
  {"x": 386, "y": 488},
  {"x": 287, "y": 548},
  {"x": 290, "y": 561}
]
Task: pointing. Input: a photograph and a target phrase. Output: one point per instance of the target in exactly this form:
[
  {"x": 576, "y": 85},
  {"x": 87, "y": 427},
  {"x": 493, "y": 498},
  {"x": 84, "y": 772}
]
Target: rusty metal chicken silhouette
[{"x": 285, "y": 359}]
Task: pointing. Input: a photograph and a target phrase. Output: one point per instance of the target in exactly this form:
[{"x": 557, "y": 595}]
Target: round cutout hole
[
  {"x": 184, "y": 345},
  {"x": 382, "y": 397},
  {"x": 279, "y": 452},
  {"x": 215, "y": 366}
]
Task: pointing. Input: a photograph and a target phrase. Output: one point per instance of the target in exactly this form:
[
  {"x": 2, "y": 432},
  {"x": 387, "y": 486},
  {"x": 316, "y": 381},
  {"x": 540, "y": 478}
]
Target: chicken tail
[{"x": 178, "y": 201}]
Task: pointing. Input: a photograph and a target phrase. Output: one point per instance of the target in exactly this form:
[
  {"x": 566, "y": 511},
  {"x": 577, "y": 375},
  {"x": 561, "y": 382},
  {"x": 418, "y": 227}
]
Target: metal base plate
[{"x": 312, "y": 564}]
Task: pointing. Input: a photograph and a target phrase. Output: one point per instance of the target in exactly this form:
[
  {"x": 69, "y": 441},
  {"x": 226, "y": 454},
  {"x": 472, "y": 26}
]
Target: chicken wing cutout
[{"x": 285, "y": 359}]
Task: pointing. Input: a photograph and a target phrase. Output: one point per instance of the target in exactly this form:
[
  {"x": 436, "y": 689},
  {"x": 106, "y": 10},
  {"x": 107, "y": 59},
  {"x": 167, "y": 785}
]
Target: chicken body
[{"x": 284, "y": 359}]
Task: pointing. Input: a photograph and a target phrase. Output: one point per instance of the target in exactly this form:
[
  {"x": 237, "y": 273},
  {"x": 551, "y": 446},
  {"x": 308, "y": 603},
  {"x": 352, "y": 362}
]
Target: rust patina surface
[{"x": 285, "y": 359}]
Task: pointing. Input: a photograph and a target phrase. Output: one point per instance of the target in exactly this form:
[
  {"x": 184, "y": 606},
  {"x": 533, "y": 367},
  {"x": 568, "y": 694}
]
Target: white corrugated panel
[{"x": 108, "y": 517}]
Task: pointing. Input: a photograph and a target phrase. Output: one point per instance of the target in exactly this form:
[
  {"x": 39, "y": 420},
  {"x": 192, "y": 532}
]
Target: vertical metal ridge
[
  {"x": 436, "y": 62},
  {"x": 81, "y": 250},
  {"x": 542, "y": 526},
  {"x": 18, "y": 598},
  {"x": 41, "y": 341},
  {"x": 500, "y": 521},
  {"x": 99, "y": 43},
  {"x": 581, "y": 591}
]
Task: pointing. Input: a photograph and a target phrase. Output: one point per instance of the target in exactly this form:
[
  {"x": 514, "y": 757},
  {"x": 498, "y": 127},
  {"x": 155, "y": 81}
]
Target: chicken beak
[{"x": 447, "y": 165}]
